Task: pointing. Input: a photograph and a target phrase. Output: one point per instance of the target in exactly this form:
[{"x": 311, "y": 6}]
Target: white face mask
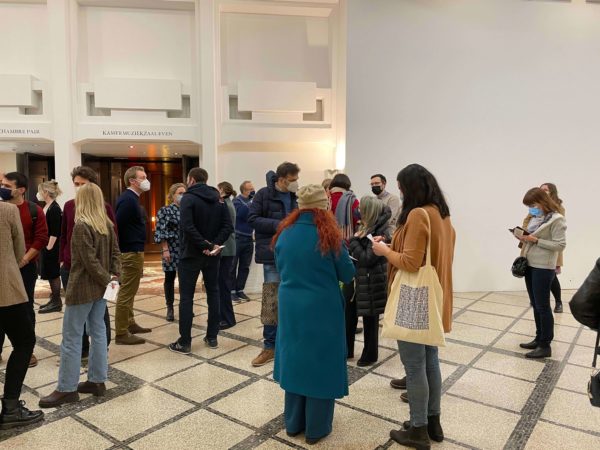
[
  {"x": 293, "y": 187},
  {"x": 178, "y": 198},
  {"x": 145, "y": 185},
  {"x": 39, "y": 197}
]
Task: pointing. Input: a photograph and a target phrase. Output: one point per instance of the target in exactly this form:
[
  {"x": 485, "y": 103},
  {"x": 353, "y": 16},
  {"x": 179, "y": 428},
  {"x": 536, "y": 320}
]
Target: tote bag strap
[
  {"x": 428, "y": 256},
  {"x": 596, "y": 348}
]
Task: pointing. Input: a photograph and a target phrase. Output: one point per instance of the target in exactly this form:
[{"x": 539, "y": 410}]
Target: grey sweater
[{"x": 551, "y": 241}]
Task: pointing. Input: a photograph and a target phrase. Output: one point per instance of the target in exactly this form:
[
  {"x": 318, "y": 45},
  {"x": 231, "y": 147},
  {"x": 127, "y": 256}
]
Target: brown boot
[
  {"x": 33, "y": 361},
  {"x": 265, "y": 357},
  {"x": 58, "y": 398},
  {"x": 128, "y": 339},
  {"x": 87, "y": 387},
  {"x": 136, "y": 329}
]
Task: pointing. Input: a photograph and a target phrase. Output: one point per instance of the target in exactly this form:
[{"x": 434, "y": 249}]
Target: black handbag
[
  {"x": 519, "y": 267},
  {"x": 594, "y": 383}
]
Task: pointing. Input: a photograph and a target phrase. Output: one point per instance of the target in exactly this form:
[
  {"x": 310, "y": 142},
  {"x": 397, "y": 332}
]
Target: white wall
[
  {"x": 239, "y": 162},
  {"x": 8, "y": 162},
  {"x": 274, "y": 48},
  {"x": 492, "y": 96}
]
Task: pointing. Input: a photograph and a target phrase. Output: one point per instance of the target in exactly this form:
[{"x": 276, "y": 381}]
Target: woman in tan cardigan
[
  {"x": 422, "y": 195},
  {"x": 94, "y": 264},
  {"x": 14, "y": 320}
]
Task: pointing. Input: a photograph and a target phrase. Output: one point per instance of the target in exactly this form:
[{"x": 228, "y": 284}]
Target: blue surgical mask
[{"x": 536, "y": 212}]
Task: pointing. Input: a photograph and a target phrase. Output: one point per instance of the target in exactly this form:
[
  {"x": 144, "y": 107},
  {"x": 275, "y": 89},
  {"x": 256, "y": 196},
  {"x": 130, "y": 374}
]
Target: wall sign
[
  {"x": 20, "y": 132},
  {"x": 136, "y": 133}
]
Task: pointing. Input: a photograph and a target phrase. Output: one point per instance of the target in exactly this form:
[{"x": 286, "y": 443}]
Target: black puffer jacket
[
  {"x": 266, "y": 211},
  {"x": 585, "y": 304},
  {"x": 371, "y": 270}
]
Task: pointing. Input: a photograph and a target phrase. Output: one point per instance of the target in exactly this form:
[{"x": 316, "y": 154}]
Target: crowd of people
[{"x": 328, "y": 258}]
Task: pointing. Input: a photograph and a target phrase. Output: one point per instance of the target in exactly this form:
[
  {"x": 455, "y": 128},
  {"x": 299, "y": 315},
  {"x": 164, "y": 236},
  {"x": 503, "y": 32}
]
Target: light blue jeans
[
  {"x": 76, "y": 316},
  {"x": 423, "y": 381},
  {"x": 271, "y": 275}
]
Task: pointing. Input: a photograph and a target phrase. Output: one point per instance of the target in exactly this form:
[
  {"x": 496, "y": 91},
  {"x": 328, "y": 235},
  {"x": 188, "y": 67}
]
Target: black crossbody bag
[{"x": 594, "y": 384}]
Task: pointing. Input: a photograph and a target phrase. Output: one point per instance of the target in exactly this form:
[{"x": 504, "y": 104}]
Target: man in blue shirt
[
  {"x": 131, "y": 223},
  {"x": 243, "y": 242},
  {"x": 269, "y": 207}
]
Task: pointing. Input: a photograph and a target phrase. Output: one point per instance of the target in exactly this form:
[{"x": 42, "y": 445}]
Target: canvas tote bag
[{"x": 413, "y": 312}]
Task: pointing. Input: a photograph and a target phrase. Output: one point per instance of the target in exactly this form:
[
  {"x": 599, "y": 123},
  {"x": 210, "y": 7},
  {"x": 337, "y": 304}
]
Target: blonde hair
[
  {"x": 51, "y": 187},
  {"x": 172, "y": 190},
  {"x": 90, "y": 209},
  {"x": 370, "y": 209},
  {"x": 131, "y": 174}
]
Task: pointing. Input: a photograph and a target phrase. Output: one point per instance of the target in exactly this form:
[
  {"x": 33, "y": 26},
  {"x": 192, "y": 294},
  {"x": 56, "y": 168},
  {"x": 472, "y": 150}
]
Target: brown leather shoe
[
  {"x": 33, "y": 361},
  {"x": 87, "y": 387},
  {"x": 266, "y": 356},
  {"x": 128, "y": 339},
  {"x": 58, "y": 398},
  {"x": 136, "y": 329}
]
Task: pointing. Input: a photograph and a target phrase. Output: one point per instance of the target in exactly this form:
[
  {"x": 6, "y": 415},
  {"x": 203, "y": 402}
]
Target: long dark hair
[{"x": 420, "y": 188}]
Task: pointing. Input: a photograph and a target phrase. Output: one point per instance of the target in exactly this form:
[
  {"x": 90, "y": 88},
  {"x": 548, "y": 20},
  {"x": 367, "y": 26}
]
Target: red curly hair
[{"x": 330, "y": 236}]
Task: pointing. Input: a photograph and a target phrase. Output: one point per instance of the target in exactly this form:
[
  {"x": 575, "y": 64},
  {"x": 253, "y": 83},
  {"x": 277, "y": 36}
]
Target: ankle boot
[
  {"x": 414, "y": 437},
  {"x": 55, "y": 305},
  {"x": 434, "y": 428},
  {"x": 14, "y": 414},
  {"x": 170, "y": 313}
]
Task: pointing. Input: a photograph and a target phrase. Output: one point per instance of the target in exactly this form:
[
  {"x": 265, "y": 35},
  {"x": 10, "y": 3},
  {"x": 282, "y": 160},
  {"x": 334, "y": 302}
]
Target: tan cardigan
[
  {"x": 12, "y": 250},
  {"x": 409, "y": 245},
  {"x": 94, "y": 258},
  {"x": 560, "y": 261}
]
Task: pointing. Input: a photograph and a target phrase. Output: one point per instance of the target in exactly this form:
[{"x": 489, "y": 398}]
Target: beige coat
[{"x": 12, "y": 250}]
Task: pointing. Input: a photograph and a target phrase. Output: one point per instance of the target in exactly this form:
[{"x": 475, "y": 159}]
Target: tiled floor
[{"x": 213, "y": 399}]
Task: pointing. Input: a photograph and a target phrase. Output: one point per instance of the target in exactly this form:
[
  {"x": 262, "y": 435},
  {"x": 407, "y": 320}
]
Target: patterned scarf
[{"x": 343, "y": 214}]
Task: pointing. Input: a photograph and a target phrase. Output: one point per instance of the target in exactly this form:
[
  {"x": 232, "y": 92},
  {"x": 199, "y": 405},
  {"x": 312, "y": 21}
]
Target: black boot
[
  {"x": 434, "y": 428},
  {"x": 558, "y": 308},
  {"x": 55, "y": 305},
  {"x": 414, "y": 437},
  {"x": 540, "y": 352},
  {"x": 170, "y": 313},
  {"x": 14, "y": 414},
  {"x": 529, "y": 345}
]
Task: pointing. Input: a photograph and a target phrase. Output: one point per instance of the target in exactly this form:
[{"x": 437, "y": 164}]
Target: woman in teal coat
[{"x": 310, "y": 352}]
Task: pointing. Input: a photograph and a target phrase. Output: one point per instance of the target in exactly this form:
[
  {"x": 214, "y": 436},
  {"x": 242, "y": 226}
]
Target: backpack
[{"x": 33, "y": 212}]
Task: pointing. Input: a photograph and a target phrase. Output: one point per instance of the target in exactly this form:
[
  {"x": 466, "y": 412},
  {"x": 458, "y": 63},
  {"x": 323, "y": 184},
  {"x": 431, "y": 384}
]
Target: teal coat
[{"x": 310, "y": 351}]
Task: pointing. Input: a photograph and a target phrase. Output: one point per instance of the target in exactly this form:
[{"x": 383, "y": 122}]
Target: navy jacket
[
  {"x": 242, "y": 210},
  {"x": 205, "y": 221},
  {"x": 266, "y": 211},
  {"x": 131, "y": 222}
]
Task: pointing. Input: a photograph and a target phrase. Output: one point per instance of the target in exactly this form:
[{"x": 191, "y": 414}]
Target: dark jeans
[
  {"x": 556, "y": 290},
  {"x": 29, "y": 276},
  {"x": 351, "y": 317},
  {"x": 85, "y": 340},
  {"x": 226, "y": 307},
  {"x": 15, "y": 321},
  {"x": 371, "y": 327},
  {"x": 189, "y": 270},
  {"x": 169, "y": 286},
  {"x": 538, "y": 282},
  {"x": 244, "y": 246}
]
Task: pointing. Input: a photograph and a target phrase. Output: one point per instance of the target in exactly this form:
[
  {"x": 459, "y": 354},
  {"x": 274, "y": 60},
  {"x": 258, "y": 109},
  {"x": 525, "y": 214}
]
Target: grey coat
[
  {"x": 229, "y": 244},
  {"x": 551, "y": 242},
  {"x": 12, "y": 250}
]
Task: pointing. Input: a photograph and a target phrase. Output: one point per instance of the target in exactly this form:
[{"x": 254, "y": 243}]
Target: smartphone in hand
[{"x": 518, "y": 232}]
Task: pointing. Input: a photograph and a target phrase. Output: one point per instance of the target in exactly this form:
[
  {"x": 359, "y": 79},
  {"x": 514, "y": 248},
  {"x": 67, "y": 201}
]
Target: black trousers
[
  {"x": 371, "y": 333},
  {"x": 169, "y": 286},
  {"x": 556, "y": 290},
  {"x": 351, "y": 317},
  {"x": 538, "y": 282},
  {"x": 189, "y": 271},
  {"x": 226, "y": 307},
  {"x": 29, "y": 275},
  {"x": 15, "y": 321},
  {"x": 244, "y": 248},
  {"x": 85, "y": 340}
]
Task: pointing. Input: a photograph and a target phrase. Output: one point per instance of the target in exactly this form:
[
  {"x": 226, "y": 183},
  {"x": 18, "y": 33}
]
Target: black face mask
[
  {"x": 6, "y": 194},
  {"x": 251, "y": 194},
  {"x": 376, "y": 190}
]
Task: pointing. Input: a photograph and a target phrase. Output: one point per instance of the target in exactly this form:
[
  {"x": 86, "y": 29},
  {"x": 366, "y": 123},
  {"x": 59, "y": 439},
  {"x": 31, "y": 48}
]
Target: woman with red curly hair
[{"x": 310, "y": 353}]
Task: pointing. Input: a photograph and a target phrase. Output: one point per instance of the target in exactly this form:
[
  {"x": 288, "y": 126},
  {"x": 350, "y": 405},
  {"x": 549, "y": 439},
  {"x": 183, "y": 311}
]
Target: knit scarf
[{"x": 343, "y": 214}]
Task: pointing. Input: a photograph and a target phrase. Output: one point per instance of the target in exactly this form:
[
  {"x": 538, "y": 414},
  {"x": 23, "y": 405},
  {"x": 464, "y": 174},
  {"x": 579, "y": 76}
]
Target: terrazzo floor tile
[
  {"x": 272, "y": 444},
  {"x": 251, "y": 329},
  {"x": 473, "y": 334},
  {"x": 460, "y": 303},
  {"x": 582, "y": 356},
  {"x": 506, "y": 393},
  {"x": 64, "y": 434},
  {"x": 511, "y": 341},
  {"x": 226, "y": 345},
  {"x": 373, "y": 393},
  {"x": 587, "y": 338},
  {"x": 44, "y": 373},
  {"x": 251, "y": 308},
  {"x": 457, "y": 353},
  {"x": 485, "y": 320},
  {"x": 499, "y": 309},
  {"x": 49, "y": 328},
  {"x": 265, "y": 398},
  {"x": 549, "y": 436},
  {"x": 509, "y": 298},
  {"x": 150, "y": 304},
  {"x": 466, "y": 422},
  {"x": 201, "y": 429},
  {"x": 120, "y": 352},
  {"x": 201, "y": 382},
  {"x": 135, "y": 412},
  {"x": 509, "y": 365},
  {"x": 157, "y": 364},
  {"x": 166, "y": 334},
  {"x": 351, "y": 430},
  {"x": 574, "y": 378},
  {"x": 470, "y": 295},
  {"x": 580, "y": 413}
]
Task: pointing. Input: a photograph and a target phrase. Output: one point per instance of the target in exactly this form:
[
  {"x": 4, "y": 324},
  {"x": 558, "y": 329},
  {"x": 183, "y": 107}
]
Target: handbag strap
[
  {"x": 596, "y": 348},
  {"x": 428, "y": 255}
]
